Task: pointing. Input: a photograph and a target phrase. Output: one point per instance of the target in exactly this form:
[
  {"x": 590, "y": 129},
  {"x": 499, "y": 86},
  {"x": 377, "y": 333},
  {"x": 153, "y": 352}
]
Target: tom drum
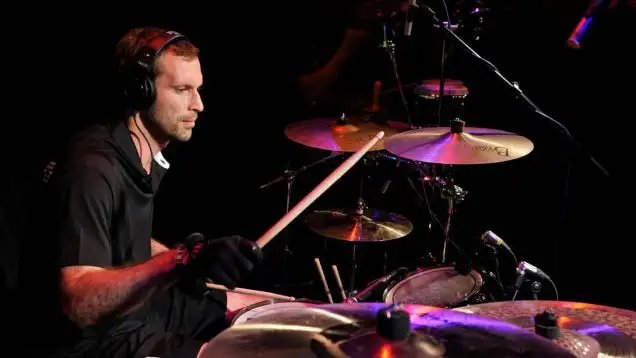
[
  {"x": 266, "y": 308},
  {"x": 438, "y": 287},
  {"x": 427, "y": 103}
]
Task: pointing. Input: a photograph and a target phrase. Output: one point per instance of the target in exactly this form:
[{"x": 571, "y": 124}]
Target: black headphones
[{"x": 138, "y": 79}]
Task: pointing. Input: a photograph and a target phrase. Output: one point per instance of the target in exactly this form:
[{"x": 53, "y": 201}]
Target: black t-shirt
[
  {"x": 105, "y": 200},
  {"x": 97, "y": 211}
]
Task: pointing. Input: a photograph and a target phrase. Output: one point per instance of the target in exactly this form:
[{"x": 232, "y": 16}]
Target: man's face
[{"x": 178, "y": 101}]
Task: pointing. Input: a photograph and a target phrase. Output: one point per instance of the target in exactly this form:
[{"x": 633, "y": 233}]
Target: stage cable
[{"x": 442, "y": 67}]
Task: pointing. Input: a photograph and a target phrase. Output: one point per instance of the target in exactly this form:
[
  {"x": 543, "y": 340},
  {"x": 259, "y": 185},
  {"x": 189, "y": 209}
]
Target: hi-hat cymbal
[
  {"x": 458, "y": 145},
  {"x": 347, "y": 225},
  {"x": 356, "y": 330},
  {"x": 349, "y": 136},
  {"x": 613, "y": 329}
]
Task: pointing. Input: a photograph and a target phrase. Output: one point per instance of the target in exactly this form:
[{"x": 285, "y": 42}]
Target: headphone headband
[{"x": 154, "y": 46}]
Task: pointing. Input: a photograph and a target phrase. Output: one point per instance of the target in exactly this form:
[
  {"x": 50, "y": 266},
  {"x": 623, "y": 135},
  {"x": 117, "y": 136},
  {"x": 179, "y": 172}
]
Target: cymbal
[
  {"x": 464, "y": 145},
  {"x": 329, "y": 134},
  {"x": 371, "y": 225},
  {"x": 613, "y": 329},
  {"x": 359, "y": 330}
]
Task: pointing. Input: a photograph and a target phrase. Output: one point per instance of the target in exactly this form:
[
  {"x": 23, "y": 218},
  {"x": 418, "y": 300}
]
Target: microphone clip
[{"x": 523, "y": 270}]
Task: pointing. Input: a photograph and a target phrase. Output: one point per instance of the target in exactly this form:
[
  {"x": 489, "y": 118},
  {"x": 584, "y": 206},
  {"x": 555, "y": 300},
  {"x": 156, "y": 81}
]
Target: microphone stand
[
  {"x": 289, "y": 176},
  {"x": 389, "y": 47},
  {"x": 536, "y": 289},
  {"x": 515, "y": 86}
]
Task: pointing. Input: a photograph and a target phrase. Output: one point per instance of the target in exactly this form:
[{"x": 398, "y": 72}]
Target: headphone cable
[{"x": 152, "y": 155}]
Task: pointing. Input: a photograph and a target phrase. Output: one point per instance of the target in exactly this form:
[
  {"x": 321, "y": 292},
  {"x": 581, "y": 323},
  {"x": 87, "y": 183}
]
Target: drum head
[
  {"x": 265, "y": 308},
  {"x": 439, "y": 287}
]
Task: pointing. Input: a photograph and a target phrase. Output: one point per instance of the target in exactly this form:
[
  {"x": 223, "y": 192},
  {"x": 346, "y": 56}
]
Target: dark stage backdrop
[{"x": 56, "y": 80}]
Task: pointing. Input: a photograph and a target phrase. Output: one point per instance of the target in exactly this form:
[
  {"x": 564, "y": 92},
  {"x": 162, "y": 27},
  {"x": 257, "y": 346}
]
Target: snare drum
[
  {"x": 266, "y": 308},
  {"x": 427, "y": 104},
  {"x": 438, "y": 287}
]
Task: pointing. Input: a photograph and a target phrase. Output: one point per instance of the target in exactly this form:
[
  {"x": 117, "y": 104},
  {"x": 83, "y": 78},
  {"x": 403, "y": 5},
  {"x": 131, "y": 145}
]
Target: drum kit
[
  {"x": 431, "y": 149},
  {"x": 443, "y": 311},
  {"x": 430, "y": 312}
]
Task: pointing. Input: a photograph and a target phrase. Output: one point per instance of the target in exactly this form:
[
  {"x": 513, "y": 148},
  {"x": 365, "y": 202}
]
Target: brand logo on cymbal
[{"x": 501, "y": 151}]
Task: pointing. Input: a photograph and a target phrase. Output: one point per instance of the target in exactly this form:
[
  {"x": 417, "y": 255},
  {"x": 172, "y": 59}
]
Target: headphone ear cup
[
  {"x": 148, "y": 92},
  {"x": 139, "y": 92},
  {"x": 132, "y": 91}
]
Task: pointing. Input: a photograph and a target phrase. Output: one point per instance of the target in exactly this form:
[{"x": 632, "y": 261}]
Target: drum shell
[
  {"x": 427, "y": 102},
  {"x": 438, "y": 287}
]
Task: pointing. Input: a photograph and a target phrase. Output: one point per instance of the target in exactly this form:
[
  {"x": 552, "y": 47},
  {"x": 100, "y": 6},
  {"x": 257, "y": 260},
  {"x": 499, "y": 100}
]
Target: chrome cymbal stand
[
  {"x": 453, "y": 195},
  {"x": 389, "y": 46}
]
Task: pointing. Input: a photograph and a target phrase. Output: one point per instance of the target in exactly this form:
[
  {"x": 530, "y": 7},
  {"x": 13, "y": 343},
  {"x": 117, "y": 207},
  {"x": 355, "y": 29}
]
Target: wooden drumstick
[
  {"x": 319, "y": 190},
  {"x": 251, "y": 292},
  {"x": 337, "y": 274},
  {"x": 311, "y": 197},
  {"x": 323, "y": 279}
]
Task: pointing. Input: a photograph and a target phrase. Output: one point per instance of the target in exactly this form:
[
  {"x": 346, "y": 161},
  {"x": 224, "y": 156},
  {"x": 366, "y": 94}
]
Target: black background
[{"x": 56, "y": 79}]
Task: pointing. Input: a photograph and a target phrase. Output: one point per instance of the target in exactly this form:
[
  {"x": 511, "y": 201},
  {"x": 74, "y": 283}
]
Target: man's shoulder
[{"x": 90, "y": 149}]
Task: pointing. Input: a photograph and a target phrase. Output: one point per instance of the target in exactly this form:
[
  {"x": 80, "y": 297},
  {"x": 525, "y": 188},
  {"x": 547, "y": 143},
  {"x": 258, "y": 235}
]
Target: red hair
[{"x": 134, "y": 40}]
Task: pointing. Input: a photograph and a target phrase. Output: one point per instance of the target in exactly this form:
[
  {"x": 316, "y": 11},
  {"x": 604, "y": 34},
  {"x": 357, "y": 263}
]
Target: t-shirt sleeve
[{"x": 83, "y": 204}]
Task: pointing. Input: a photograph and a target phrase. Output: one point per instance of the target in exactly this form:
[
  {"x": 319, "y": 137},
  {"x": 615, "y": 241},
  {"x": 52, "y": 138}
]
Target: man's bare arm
[
  {"x": 90, "y": 293},
  {"x": 156, "y": 247}
]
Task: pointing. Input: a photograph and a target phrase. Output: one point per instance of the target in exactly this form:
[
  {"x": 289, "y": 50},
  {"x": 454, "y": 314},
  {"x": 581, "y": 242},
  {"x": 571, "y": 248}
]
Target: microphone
[
  {"x": 408, "y": 25},
  {"x": 379, "y": 285},
  {"x": 490, "y": 238},
  {"x": 528, "y": 267},
  {"x": 524, "y": 269}
]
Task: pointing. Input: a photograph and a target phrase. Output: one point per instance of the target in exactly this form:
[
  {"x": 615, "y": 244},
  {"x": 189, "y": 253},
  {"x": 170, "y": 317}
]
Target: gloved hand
[{"x": 225, "y": 261}]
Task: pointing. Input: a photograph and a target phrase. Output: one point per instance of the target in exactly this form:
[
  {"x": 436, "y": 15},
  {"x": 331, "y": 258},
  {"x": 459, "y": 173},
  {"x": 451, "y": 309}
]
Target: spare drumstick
[
  {"x": 246, "y": 291},
  {"x": 317, "y": 192},
  {"x": 339, "y": 281},
  {"x": 323, "y": 279}
]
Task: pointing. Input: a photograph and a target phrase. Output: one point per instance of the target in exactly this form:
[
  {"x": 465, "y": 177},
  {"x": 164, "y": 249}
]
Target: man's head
[{"x": 162, "y": 88}]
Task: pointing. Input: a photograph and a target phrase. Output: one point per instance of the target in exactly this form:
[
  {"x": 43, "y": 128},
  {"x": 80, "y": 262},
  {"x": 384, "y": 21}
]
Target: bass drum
[
  {"x": 438, "y": 287},
  {"x": 269, "y": 307}
]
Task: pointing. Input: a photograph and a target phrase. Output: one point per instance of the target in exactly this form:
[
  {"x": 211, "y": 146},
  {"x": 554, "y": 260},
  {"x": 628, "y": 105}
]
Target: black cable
[
  {"x": 152, "y": 155},
  {"x": 442, "y": 67}
]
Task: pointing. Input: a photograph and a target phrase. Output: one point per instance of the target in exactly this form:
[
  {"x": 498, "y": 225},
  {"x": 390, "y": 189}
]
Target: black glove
[
  {"x": 193, "y": 286},
  {"x": 225, "y": 261}
]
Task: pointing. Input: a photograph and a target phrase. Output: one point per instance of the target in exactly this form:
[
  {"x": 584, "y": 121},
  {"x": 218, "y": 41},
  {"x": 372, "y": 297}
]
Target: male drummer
[{"x": 123, "y": 294}]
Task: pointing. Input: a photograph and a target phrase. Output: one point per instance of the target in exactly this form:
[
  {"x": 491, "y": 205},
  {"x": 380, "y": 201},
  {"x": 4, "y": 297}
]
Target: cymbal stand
[
  {"x": 454, "y": 195},
  {"x": 389, "y": 47},
  {"x": 289, "y": 176},
  {"x": 361, "y": 206}
]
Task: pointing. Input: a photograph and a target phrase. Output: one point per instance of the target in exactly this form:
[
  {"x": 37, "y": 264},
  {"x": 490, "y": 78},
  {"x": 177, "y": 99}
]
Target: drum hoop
[
  {"x": 271, "y": 301},
  {"x": 387, "y": 297},
  {"x": 251, "y": 307}
]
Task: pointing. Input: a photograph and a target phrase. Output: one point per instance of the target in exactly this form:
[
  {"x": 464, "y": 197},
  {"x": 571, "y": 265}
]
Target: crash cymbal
[
  {"x": 348, "y": 136},
  {"x": 612, "y": 328},
  {"x": 458, "y": 145},
  {"x": 347, "y": 225},
  {"x": 368, "y": 330}
]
